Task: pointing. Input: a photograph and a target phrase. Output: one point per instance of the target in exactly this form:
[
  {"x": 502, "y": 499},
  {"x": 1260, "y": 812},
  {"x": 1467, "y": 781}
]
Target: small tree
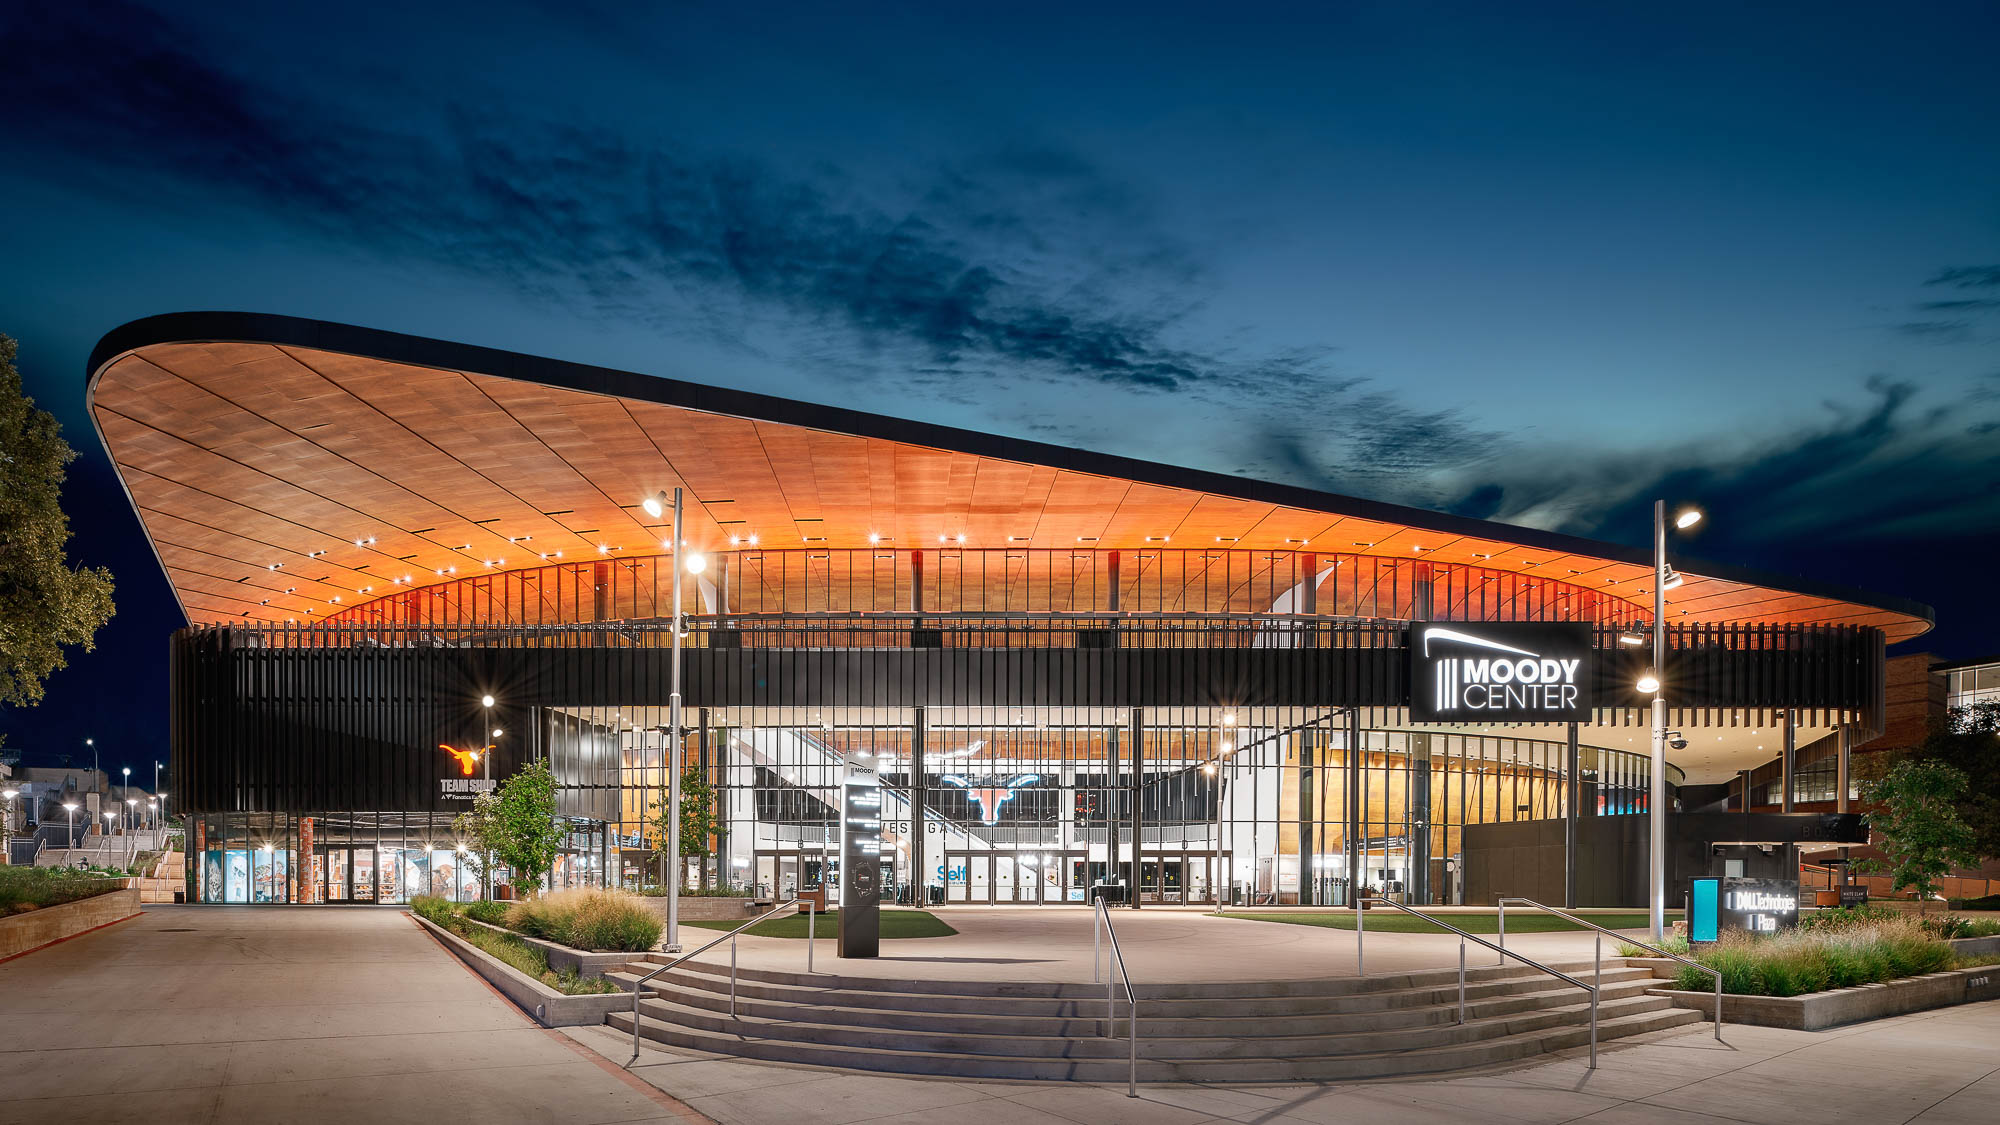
[
  {"x": 477, "y": 831},
  {"x": 697, "y": 816},
  {"x": 44, "y": 604},
  {"x": 1919, "y": 825},
  {"x": 520, "y": 825}
]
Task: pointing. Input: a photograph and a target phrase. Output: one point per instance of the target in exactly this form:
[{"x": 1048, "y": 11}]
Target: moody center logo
[{"x": 1513, "y": 673}]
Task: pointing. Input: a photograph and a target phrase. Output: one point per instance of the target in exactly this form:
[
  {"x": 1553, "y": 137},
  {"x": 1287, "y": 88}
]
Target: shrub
[
  {"x": 589, "y": 918},
  {"x": 1816, "y": 959},
  {"x": 489, "y": 911},
  {"x": 33, "y": 888},
  {"x": 1847, "y": 917},
  {"x": 431, "y": 908}
]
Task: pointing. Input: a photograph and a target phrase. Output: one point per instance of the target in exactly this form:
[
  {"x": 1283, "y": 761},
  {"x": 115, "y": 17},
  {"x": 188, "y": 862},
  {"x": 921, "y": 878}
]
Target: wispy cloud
[{"x": 978, "y": 274}]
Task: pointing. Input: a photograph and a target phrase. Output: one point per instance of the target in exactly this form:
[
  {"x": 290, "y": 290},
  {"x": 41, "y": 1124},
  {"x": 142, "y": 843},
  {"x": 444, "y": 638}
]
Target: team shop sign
[{"x": 1517, "y": 673}]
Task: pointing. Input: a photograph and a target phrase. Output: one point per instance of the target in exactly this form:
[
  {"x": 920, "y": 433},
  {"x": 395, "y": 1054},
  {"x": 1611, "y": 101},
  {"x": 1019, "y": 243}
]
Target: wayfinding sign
[
  {"x": 1500, "y": 672},
  {"x": 861, "y": 859}
]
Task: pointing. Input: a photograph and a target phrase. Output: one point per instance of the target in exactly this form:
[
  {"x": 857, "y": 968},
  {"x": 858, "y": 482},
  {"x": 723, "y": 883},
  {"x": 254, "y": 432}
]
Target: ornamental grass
[
  {"x": 588, "y": 918},
  {"x": 1817, "y": 959}
]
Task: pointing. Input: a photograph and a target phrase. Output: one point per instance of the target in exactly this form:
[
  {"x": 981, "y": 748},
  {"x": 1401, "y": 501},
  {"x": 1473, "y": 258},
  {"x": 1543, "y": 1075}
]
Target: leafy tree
[
  {"x": 521, "y": 823},
  {"x": 1968, "y": 740},
  {"x": 697, "y": 815},
  {"x": 1921, "y": 831},
  {"x": 44, "y": 603}
]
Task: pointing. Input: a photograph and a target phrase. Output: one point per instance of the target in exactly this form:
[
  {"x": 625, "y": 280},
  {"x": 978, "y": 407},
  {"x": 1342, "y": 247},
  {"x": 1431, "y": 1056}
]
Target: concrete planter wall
[
  {"x": 1975, "y": 946},
  {"x": 23, "y": 932},
  {"x": 564, "y": 959},
  {"x": 1848, "y": 1005},
  {"x": 549, "y": 1007}
]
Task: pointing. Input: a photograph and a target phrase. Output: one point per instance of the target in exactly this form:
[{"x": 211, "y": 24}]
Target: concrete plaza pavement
[
  {"x": 1931, "y": 1068},
  {"x": 304, "y": 1014},
  {"x": 285, "y": 1014}
]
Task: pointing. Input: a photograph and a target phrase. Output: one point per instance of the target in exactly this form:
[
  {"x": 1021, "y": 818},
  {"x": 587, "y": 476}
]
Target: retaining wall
[{"x": 20, "y": 933}]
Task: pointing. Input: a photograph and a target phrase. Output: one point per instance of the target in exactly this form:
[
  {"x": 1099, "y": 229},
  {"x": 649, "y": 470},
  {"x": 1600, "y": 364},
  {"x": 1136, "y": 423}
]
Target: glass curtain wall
[
  {"x": 343, "y": 858},
  {"x": 1031, "y": 806}
]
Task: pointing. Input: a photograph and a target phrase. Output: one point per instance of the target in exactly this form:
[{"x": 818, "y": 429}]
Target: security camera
[{"x": 1678, "y": 743}]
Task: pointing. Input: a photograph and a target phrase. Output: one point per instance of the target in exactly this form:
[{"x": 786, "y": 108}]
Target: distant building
[{"x": 1971, "y": 682}]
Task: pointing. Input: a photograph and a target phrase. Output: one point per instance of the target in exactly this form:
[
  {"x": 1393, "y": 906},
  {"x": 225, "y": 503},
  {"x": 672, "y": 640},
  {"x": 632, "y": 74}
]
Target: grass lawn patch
[
  {"x": 896, "y": 924},
  {"x": 1396, "y": 922}
]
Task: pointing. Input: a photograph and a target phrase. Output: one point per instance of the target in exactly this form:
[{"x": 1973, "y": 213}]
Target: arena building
[{"x": 1066, "y": 667}]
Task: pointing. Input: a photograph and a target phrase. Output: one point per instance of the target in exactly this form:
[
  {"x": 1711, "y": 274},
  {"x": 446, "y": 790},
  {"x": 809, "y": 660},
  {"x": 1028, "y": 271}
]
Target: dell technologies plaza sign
[{"x": 1511, "y": 672}]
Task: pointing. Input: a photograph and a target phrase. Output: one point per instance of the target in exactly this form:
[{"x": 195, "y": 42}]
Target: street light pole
[
  {"x": 69, "y": 835},
  {"x": 1656, "y": 798},
  {"x": 673, "y": 937}
]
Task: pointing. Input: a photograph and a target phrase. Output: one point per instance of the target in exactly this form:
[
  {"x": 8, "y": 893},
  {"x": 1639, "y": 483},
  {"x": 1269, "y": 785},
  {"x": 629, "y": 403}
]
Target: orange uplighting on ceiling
[{"x": 276, "y": 478}]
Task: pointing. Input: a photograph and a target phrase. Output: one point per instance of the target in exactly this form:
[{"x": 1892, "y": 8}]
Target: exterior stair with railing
[{"x": 1328, "y": 1029}]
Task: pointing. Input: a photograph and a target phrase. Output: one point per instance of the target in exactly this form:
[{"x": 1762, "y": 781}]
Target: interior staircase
[{"x": 1317, "y": 1030}]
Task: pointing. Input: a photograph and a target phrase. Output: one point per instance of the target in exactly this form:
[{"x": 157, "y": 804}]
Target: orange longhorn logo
[{"x": 467, "y": 759}]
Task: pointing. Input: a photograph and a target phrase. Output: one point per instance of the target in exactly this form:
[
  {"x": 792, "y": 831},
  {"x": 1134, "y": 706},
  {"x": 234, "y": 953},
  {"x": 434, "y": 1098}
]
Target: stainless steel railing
[
  {"x": 1716, "y": 973},
  {"x": 1361, "y": 930},
  {"x": 638, "y": 986},
  {"x": 1105, "y": 929}
]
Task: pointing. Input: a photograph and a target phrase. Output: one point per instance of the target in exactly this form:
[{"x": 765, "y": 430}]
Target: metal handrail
[
  {"x": 1360, "y": 929},
  {"x": 1714, "y": 972},
  {"x": 641, "y": 983},
  {"x": 1110, "y": 995}
]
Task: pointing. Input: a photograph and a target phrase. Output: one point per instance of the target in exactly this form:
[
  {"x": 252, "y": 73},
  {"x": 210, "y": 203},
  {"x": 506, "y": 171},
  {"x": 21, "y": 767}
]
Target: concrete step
[
  {"x": 1506, "y": 1045},
  {"x": 1055, "y": 1001},
  {"x": 1106, "y": 1043},
  {"x": 1086, "y": 1017},
  {"x": 714, "y": 964}
]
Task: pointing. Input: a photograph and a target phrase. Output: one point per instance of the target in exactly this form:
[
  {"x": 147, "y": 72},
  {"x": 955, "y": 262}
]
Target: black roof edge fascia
[{"x": 422, "y": 351}]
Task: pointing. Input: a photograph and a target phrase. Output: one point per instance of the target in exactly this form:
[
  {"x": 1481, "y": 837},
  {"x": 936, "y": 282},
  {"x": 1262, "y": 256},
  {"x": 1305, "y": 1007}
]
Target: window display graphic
[{"x": 990, "y": 796}]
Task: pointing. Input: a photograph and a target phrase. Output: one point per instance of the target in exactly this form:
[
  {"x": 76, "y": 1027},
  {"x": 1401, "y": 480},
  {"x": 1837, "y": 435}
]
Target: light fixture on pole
[
  {"x": 656, "y": 504},
  {"x": 1653, "y": 683},
  {"x": 673, "y": 856},
  {"x": 131, "y": 819},
  {"x": 486, "y": 774},
  {"x": 69, "y": 834}
]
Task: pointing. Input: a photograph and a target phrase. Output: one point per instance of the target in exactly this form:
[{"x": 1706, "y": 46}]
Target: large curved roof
[{"x": 259, "y": 449}]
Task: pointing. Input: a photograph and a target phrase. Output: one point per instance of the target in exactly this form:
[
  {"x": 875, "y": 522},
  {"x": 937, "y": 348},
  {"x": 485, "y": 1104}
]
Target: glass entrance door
[
  {"x": 362, "y": 865},
  {"x": 334, "y": 861}
]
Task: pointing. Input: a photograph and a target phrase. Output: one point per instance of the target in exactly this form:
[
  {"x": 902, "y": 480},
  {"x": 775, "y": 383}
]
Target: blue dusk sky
[{"x": 1535, "y": 262}]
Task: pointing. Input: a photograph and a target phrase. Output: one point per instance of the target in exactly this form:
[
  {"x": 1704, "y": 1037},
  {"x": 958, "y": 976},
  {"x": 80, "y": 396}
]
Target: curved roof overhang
[{"x": 257, "y": 450}]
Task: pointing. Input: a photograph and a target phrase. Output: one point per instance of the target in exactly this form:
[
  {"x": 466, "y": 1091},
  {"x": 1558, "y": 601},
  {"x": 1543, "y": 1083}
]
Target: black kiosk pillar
[{"x": 861, "y": 859}]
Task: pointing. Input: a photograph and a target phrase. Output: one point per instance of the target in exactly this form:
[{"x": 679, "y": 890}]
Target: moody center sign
[{"x": 1465, "y": 672}]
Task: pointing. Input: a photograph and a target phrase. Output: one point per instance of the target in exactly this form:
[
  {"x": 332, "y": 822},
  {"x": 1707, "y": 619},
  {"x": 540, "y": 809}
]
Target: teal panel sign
[{"x": 1702, "y": 907}]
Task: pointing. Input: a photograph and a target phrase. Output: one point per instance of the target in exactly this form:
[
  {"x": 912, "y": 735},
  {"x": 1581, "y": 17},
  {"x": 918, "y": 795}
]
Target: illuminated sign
[
  {"x": 991, "y": 797},
  {"x": 467, "y": 787},
  {"x": 1500, "y": 673},
  {"x": 1756, "y": 906}
]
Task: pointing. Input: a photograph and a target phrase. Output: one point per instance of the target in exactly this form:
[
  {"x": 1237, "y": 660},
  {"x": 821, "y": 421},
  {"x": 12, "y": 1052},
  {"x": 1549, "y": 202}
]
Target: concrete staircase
[{"x": 1199, "y": 1032}]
